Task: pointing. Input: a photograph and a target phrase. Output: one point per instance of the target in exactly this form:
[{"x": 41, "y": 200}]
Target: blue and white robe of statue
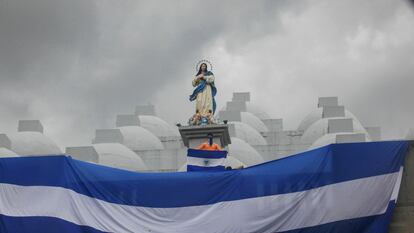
[{"x": 204, "y": 94}]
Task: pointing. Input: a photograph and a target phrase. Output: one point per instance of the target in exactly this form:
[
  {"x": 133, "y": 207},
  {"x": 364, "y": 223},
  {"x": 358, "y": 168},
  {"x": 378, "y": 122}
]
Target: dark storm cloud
[
  {"x": 76, "y": 64},
  {"x": 84, "y": 61},
  {"x": 39, "y": 34}
]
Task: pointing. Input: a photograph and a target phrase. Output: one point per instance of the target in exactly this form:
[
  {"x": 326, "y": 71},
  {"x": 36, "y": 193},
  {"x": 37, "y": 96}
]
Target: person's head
[
  {"x": 202, "y": 69},
  {"x": 210, "y": 138},
  {"x": 197, "y": 111}
]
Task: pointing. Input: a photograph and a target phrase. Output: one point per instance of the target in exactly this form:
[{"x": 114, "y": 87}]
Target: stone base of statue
[{"x": 194, "y": 135}]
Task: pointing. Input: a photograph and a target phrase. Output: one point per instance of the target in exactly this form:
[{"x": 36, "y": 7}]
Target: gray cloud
[{"x": 76, "y": 64}]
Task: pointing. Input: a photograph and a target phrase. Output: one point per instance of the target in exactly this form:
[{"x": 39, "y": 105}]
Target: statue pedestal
[{"x": 193, "y": 136}]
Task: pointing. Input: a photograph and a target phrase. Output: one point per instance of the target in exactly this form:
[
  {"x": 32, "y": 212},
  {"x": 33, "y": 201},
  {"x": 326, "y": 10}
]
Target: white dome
[
  {"x": 33, "y": 143},
  {"x": 247, "y": 133},
  {"x": 330, "y": 139},
  {"x": 119, "y": 156},
  {"x": 157, "y": 126},
  {"x": 245, "y": 153},
  {"x": 230, "y": 162},
  {"x": 257, "y": 111},
  {"x": 320, "y": 128},
  {"x": 317, "y": 115},
  {"x": 4, "y": 153},
  {"x": 253, "y": 121},
  {"x": 410, "y": 134},
  {"x": 310, "y": 119},
  {"x": 138, "y": 138}
]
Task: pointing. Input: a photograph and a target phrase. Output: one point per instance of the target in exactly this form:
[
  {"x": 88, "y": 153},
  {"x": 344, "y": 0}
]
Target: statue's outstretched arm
[{"x": 195, "y": 82}]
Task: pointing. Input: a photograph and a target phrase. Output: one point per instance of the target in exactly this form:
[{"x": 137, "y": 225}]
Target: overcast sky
[{"x": 76, "y": 64}]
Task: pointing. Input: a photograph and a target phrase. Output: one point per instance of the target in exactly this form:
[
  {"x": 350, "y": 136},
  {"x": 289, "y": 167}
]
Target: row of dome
[
  {"x": 145, "y": 137},
  {"x": 152, "y": 130},
  {"x": 137, "y": 138}
]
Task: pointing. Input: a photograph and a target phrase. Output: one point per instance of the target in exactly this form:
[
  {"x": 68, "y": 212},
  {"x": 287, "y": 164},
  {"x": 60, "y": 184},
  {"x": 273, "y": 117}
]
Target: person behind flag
[{"x": 209, "y": 145}]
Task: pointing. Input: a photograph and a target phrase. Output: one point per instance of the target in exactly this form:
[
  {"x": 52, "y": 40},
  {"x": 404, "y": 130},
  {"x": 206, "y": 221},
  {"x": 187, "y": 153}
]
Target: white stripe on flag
[
  {"x": 340, "y": 201},
  {"x": 202, "y": 162},
  {"x": 396, "y": 190}
]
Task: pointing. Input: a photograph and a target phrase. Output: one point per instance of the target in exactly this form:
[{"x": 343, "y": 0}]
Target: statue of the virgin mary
[{"x": 204, "y": 91}]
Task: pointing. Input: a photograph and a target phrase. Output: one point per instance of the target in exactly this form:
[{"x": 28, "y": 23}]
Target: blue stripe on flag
[
  {"x": 192, "y": 168},
  {"x": 206, "y": 154},
  {"x": 41, "y": 225},
  {"x": 323, "y": 166}
]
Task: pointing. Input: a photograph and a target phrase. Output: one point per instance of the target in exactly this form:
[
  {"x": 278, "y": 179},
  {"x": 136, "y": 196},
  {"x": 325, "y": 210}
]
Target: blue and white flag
[
  {"x": 205, "y": 160},
  {"x": 341, "y": 188}
]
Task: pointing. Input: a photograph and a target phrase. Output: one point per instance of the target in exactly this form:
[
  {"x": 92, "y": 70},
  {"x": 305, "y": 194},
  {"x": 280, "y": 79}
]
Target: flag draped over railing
[
  {"x": 206, "y": 160},
  {"x": 338, "y": 188}
]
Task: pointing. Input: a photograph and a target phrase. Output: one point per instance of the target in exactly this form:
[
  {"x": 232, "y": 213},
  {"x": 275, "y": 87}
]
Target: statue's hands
[{"x": 200, "y": 76}]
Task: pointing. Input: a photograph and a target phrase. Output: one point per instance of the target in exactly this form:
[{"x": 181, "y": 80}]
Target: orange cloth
[{"x": 206, "y": 146}]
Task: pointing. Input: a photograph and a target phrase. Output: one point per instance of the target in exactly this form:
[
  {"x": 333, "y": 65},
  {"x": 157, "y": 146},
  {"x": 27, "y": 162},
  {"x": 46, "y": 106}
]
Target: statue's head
[{"x": 203, "y": 68}]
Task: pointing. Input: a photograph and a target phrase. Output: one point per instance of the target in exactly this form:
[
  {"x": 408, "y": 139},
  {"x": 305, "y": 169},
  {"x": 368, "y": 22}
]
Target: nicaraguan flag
[
  {"x": 205, "y": 160},
  {"x": 341, "y": 188}
]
